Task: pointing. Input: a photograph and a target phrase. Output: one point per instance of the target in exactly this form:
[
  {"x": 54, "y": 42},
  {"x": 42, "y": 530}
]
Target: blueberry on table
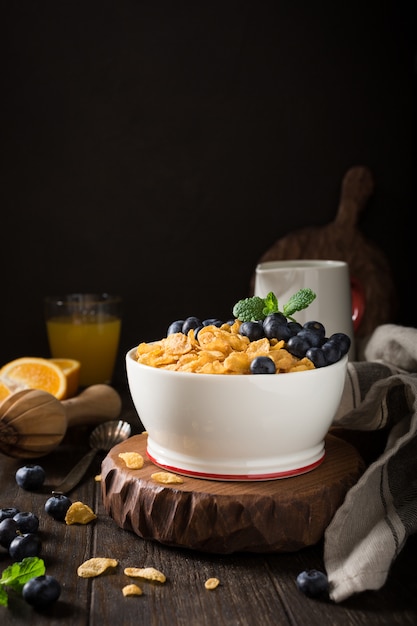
[
  {"x": 8, "y": 531},
  {"x": 8, "y": 512},
  {"x": 313, "y": 583},
  {"x": 25, "y": 545},
  {"x": 30, "y": 477},
  {"x": 27, "y": 522},
  {"x": 41, "y": 591},
  {"x": 57, "y": 506}
]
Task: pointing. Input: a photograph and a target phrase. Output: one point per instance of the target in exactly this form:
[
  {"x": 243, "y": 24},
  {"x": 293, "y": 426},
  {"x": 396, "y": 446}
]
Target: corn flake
[
  {"x": 212, "y": 583},
  {"x": 132, "y": 590},
  {"x": 148, "y": 573},
  {"x": 95, "y": 566},
  {"x": 133, "y": 460},
  {"x": 79, "y": 513},
  {"x": 166, "y": 478}
]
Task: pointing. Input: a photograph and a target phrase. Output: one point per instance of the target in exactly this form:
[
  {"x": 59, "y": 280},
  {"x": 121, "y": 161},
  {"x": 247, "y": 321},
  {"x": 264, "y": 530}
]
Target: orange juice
[{"x": 93, "y": 343}]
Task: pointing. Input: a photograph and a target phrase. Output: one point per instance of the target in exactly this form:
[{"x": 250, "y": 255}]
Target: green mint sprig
[
  {"x": 17, "y": 574},
  {"x": 256, "y": 308},
  {"x": 299, "y": 301}
]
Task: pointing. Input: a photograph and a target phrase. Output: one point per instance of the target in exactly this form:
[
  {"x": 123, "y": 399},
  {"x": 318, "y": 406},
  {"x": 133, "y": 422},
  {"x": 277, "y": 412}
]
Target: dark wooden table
[{"x": 255, "y": 589}]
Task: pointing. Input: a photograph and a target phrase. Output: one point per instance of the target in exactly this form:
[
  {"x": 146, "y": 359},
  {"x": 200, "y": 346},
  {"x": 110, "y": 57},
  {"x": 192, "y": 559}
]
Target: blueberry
[
  {"x": 175, "y": 327},
  {"x": 197, "y": 330},
  {"x": 316, "y": 327},
  {"x": 331, "y": 351},
  {"x": 25, "y": 545},
  {"x": 252, "y": 330},
  {"x": 276, "y": 327},
  {"x": 9, "y": 512},
  {"x": 317, "y": 357},
  {"x": 8, "y": 531},
  {"x": 313, "y": 583},
  {"x": 342, "y": 340},
  {"x": 190, "y": 322},
  {"x": 262, "y": 365},
  {"x": 57, "y": 506},
  {"x": 27, "y": 522},
  {"x": 41, "y": 591},
  {"x": 295, "y": 327},
  {"x": 30, "y": 477},
  {"x": 213, "y": 321},
  {"x": 311, "y": 337},
  {"x": 298, "y": 346}
]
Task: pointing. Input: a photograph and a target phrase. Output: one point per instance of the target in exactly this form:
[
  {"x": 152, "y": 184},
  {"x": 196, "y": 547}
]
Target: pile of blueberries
[
  {"x": 19, "y": 535},
  {"x": 308, "y": 340}
]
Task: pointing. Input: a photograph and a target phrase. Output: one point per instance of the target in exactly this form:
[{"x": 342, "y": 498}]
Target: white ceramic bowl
[{"x": 236, "y": 427}]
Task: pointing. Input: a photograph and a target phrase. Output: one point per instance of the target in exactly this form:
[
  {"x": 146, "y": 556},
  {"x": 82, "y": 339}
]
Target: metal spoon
[{"x": 103, "y": 437}]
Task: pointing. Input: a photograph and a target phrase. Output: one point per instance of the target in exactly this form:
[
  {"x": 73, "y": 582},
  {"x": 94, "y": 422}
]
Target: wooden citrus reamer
[{"x": 34, "y": 422}]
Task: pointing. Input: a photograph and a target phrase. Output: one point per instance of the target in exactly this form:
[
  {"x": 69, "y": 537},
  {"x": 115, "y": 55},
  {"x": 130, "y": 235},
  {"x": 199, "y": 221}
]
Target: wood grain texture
[
  {"x": 342, "y": 240},
  {"x": 254, "y": 588},
  {"x": 226, "y": 517}
]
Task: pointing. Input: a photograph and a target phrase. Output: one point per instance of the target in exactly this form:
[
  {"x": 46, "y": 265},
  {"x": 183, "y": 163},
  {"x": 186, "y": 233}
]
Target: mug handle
[{"x": 358, "y": 302}]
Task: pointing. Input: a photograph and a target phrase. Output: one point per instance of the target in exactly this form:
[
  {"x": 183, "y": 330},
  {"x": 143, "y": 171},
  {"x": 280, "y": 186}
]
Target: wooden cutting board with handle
[{"x": 341, "y": 240}]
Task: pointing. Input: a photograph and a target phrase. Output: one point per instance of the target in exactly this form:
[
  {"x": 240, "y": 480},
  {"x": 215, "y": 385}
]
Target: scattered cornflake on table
[
  {"x": 212, "y": 583},
  {"x": 149, "y": 573},
  {"x": 95, "y": 566},
  {"x": 132, "y": 590},
  {"x": 133, "y": 460},
  {"x": 79, "y": 513},
  {"x": 166, "y": 478},
  {"x": 97, "y": 478}
]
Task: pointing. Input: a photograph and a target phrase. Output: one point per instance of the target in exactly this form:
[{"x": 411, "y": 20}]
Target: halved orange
[
  {"x": 36, "y": 373},
  {"x": 4, "y": 390},
  {"x": 71, "y": 369}
]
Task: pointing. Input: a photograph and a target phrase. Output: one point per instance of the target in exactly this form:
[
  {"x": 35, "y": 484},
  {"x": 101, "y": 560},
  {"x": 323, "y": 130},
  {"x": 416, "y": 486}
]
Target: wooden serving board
[{"x": 225, "y": 517}]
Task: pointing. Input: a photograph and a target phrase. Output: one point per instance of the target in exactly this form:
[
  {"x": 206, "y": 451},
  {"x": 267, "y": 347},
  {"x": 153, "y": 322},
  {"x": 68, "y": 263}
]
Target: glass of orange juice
[{"x": 85, "y": 327}]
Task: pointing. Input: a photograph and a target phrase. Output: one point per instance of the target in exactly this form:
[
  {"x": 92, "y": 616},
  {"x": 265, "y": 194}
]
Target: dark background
[{"x": 157, "y": 149}]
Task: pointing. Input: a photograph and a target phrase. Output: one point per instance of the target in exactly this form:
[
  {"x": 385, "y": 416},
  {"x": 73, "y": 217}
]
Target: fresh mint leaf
[
  {"x": 17, "y": 574},
  {"x": 299, "y": 301},
  {"x": 270, "y": 304},
  {"x": 4, "y": 598},
  {"x": 256, "y": 308}
]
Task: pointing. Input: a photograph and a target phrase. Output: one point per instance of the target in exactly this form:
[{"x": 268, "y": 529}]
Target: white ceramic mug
[{"x": 329, "y": 280}]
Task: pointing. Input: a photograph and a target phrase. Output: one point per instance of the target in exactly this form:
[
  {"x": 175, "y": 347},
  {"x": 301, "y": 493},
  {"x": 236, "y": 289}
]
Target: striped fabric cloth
[{"x": 371, "y": 527}]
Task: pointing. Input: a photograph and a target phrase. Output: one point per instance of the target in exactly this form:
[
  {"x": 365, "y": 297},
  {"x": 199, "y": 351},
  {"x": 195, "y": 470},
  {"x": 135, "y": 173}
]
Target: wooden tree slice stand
[{"x": 225, "y": 517}]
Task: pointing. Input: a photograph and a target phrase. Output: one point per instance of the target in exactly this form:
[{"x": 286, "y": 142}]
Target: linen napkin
[{"x": 370, "y": 528}]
